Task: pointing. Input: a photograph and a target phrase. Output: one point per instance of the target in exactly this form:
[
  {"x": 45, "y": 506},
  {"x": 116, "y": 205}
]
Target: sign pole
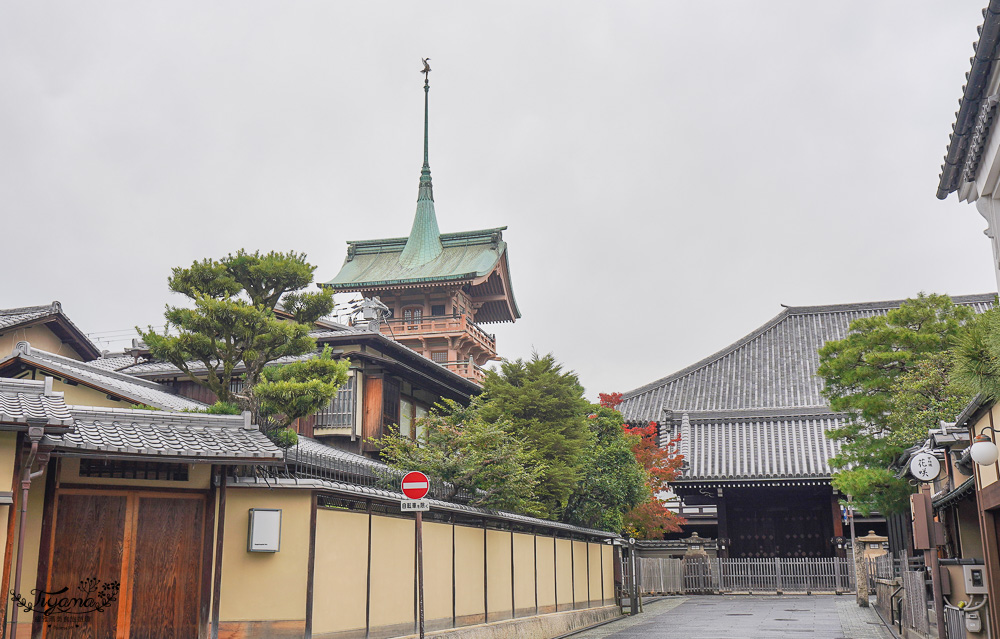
[
  {"x": 415, "y": 486},
  {"x": 420, "y": 570}
]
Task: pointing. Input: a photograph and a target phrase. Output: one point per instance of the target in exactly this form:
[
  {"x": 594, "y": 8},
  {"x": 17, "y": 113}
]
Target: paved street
[{"x": 745, "y": 617}]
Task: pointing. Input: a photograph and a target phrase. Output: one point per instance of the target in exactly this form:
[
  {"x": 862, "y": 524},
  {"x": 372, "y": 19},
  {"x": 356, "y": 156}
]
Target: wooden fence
[{"x": 695, "y": 575}]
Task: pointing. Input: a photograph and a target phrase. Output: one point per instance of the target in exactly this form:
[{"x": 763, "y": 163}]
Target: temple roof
[
  {"x": 774, "y": 367},
  {"x": 756, "y": 446}
]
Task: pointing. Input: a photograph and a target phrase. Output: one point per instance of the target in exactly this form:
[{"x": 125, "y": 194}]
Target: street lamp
[{"x": 983, "y": 451}]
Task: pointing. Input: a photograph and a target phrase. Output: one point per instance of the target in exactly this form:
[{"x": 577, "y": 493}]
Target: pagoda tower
[{"x": 440, "y": 287}]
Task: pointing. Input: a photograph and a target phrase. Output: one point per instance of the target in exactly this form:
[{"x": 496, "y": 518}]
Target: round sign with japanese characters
[{"x": 925, "y": 466}]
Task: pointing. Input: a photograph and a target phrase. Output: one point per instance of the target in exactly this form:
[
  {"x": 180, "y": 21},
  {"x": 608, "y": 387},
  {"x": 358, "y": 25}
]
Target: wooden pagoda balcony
[
  {"x": 441, "y": 326},
  {"x": 468, "y": 370}
]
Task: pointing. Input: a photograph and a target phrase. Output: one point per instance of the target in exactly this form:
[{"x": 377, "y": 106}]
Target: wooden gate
[{"x": 144, "y": 547}]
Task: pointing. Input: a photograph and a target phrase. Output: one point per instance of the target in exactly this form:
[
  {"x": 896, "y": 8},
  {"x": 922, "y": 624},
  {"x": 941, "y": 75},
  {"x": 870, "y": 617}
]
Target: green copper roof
[{"x": 463, "y": 256}]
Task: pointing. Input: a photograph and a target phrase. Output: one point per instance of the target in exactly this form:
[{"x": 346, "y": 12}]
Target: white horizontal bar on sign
[
  {"x": 414, "y": 484},
  {"x": 415, "y": 505}
]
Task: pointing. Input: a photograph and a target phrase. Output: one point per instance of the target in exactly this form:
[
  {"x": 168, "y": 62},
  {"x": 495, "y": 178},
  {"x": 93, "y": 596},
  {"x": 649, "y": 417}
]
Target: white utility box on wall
[{"x": 264, "y": 533}]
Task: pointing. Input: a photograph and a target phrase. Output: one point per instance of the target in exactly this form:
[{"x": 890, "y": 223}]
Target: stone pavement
[{"x": 748, "y": 617}]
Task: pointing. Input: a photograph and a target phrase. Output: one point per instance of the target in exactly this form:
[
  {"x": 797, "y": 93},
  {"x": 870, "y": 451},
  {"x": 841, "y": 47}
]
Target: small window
[
  {"x": 339, "y": 413},
  {"x": 406, "y": 418},
  {"x": 441, "y": 357},
  {"x": 437, "y": 310},
  {"x": 419, "y": 414},
  {"x": 412, "y": 316}
]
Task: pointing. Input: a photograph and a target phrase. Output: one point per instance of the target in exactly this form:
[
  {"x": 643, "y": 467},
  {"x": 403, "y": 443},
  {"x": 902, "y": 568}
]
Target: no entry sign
[{"x": 415, "y": 485}]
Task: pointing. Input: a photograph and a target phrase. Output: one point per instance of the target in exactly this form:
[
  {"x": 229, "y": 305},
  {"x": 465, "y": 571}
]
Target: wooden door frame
[{"x": 132, "y": 496}]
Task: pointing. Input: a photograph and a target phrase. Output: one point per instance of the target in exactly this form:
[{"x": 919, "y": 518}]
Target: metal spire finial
[
  {"x": 425, "y": 172},
  {"x": 424, "y": 241}
]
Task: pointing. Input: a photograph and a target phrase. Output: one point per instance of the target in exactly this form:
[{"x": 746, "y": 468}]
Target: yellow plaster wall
[
  {"x": 580, "y": 583},
  {"x": 39, "y": 337},
  {"x": 469, "y": 571},
  {"x": 199, "y": 477},
  {"x": 340, "y": 573},
  {"x": 498, "y": 582},
  {"x": 258, "y": 586},
  {"x": 393, "y": 559},
  {"x": 564, "y": 572},
  {"x": 594, "y": 557},
  {"x": 8, "y": 457},
  {"x": 524, "y": 572},
  {"x": 437, "y": 571},
  {"x": 81, "y": 395},
  {"x": 546, "y": 572},
  {"x": 987, "y": 474},
  {"x": 608, "y": 553}
]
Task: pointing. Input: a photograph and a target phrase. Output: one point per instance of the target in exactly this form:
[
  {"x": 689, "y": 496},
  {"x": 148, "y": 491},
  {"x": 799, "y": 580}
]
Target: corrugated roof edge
[
  {"x": 361, "y": 491},
  {"x": 972, "y": 95},
  {"x": 787, "y": 311}
]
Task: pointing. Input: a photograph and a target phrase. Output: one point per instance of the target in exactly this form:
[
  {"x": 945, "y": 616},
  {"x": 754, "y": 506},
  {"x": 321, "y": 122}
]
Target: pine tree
[{"x": 892, "y": 377}]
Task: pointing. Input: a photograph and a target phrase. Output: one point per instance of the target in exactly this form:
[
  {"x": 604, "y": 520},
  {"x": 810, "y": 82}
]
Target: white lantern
[{"x": 984, "y": 452}]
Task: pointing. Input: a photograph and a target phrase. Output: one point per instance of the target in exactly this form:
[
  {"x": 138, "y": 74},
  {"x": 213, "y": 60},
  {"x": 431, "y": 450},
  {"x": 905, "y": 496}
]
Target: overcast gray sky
[{"x": 670, "y": 172}]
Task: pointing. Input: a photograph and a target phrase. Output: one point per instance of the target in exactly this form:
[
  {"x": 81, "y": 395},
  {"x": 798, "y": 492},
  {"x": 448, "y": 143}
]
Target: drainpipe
[{"x": 35, "y": 434}]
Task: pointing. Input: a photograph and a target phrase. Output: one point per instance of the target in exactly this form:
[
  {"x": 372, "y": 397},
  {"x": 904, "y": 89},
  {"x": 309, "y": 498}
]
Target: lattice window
[
  {"x": 124, "y": 469},
  {"x": 340, "y": 412},
  {"x": 441, "y": 357},
  {"x": 412, "y": 316},
  {"x": 390, "y": 401}
]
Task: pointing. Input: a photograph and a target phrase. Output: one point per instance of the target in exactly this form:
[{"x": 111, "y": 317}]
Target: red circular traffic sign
[{"x": 416, "y": 485}]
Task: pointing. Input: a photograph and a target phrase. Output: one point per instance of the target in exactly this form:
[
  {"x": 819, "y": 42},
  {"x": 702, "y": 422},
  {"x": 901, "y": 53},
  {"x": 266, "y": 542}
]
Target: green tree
[
  {"x": 544, "y": 407},
  {"x": 458, "y": 448},
  {"x": 891, "y": 376},
  {"x": 232, "y": 332},
  {"x": 612, "y": 482},
  {"x": 976, "y": 356}
]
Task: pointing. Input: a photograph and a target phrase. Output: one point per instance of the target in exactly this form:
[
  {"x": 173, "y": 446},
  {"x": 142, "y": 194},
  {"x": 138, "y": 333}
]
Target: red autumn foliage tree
[{"x": 651, "y": 519}]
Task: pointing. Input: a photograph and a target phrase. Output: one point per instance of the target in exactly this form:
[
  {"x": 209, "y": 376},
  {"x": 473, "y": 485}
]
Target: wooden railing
[{"x": 443, "y": 324}]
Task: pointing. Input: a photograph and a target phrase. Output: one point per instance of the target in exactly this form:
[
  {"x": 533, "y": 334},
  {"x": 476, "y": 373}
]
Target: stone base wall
[{"x": 537, "y": 627}]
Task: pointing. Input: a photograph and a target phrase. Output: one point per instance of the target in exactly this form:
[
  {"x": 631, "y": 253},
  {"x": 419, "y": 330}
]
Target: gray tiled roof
[
  {"x": 115, "y": 362},
  {"x": 15, "y": 316},
  {"x": 971, "y": 129},
  {"x": 772, "y": 367},
  {"x": 131, "y": 388},
  {"x": 176, "y": 436},
  {"x": 761, "y": 446},
  {"x": 22, "y": 400}
]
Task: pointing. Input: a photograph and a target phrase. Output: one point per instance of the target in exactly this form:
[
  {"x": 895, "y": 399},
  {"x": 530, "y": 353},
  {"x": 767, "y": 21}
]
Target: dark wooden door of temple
[{"x": 149, "y": 543}]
